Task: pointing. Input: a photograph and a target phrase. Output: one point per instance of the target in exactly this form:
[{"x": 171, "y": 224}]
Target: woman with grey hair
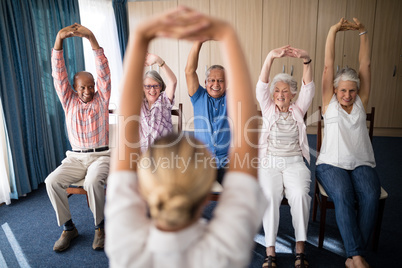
[
  {"x": 156, "y": 119},
  {"x": 345, "y": 166},
  {"x": 283, "y": 144}
]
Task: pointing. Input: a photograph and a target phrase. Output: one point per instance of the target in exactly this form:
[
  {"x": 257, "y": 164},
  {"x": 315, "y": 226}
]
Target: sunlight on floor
[{"x": 16, "y": 248}]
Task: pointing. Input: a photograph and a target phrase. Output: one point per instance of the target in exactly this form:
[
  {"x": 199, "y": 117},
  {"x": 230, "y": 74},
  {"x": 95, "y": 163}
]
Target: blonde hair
[{"x": 175, "y": 176}]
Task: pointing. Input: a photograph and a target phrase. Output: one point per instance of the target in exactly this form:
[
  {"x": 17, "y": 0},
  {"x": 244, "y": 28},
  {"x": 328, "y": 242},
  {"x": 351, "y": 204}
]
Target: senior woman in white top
[
  {"x": 345, "y": 166},
  {"x": 283, "y": 144}
]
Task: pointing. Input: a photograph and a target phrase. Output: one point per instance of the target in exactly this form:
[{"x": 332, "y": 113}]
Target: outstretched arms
[
  {"x": 75, "y": 30},
  {"x": 178, "y": 23},
  {"x": 171, "y": 84},
  {"x": 184, "y": 23},
  {"x": 364, "y": 61},
  {"x": 191, "y": 68}
]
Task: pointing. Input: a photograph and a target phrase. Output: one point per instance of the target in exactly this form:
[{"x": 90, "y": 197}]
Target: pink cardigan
[{"x": 270, "y": 114}]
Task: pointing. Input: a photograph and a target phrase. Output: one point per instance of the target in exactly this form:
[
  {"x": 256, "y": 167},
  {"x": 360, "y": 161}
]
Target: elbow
[
  {"x": 189, "y": 70},
  {"x": 174, "y": 83},
  {"x": 327, "y": 69},
  {"x": 366, "y": 64}
]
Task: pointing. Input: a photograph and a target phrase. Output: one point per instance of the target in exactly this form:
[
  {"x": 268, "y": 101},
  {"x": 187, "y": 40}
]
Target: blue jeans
[{"x": 345, "y": 187}]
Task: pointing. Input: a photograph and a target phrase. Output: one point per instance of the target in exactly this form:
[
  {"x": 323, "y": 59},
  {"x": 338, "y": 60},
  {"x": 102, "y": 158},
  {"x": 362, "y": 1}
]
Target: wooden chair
[
  {"x": 78, "y": 187},
  {"x": 321, "y": 197},
  {"x": 217, "y": 188},
  {"x": 179, "y": 112}
]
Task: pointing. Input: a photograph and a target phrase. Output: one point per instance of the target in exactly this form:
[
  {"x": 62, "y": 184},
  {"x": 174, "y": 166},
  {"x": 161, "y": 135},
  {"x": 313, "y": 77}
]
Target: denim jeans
[{"x": 345, "y": 187}]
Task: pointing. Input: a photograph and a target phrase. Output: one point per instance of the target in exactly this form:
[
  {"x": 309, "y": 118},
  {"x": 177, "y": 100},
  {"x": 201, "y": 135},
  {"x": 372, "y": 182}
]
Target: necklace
[{"x": 283, "y": 116}]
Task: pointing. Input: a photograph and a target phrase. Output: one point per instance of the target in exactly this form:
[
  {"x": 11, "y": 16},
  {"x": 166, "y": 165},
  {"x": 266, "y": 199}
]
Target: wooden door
[{"x": 386, "y": 53}]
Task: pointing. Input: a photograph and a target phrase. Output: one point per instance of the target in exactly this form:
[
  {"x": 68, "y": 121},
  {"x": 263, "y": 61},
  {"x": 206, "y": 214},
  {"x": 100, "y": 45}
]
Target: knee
[
  {"x": 94, "y": 181},
  {"x": 51, "y": 180}
]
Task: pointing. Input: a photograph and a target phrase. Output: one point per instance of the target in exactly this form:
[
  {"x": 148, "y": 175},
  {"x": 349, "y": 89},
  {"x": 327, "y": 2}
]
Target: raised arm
[
  {"x": 241, "y": 107},
  {"x": 329, "y": 59},
  {"x": 191, "y": 68},
  {"x": 171, "y": 84},
  {"x": 75, "y": 30},
  {"x": 307, "y": 69},
  {"x": 177, "y": 23},
  {"x": 364, "y": 64},
  {"x": 266, "y": 67}
]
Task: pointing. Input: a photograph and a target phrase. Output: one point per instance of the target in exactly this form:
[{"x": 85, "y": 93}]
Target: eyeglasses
[
  {"x": 211, "y": 80},
  {"x": 156, "y": 87}
]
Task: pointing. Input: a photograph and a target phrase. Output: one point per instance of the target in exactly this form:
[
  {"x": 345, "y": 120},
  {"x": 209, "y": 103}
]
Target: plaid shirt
[
  {"x": 155, "y": 122},
  {"x": 87, "y": 123}
]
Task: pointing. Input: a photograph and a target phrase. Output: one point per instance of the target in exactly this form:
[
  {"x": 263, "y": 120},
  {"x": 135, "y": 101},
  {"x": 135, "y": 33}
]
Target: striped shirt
[
  {"x": 155, "y": 121},
  {"x": 87, "y": 123},
  {"x": 283, "y": 139}
]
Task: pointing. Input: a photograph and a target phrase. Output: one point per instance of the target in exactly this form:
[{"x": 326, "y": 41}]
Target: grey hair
[
  {"x": 157, "y": 77},
  {"x": 285, "y": 78},
  {"x": 213, "y": 67},
  {"x": 347, "y": 74}
]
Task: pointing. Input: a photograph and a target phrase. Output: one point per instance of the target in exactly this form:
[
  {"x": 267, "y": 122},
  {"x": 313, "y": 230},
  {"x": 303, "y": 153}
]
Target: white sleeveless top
[{"x": 346, "y": 141}]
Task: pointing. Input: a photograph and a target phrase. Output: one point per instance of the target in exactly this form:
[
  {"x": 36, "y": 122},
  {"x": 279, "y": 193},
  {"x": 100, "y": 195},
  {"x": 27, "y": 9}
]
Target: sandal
[
  {"x": 270, "y": 262},
  {"x": 301, "y": 261}
]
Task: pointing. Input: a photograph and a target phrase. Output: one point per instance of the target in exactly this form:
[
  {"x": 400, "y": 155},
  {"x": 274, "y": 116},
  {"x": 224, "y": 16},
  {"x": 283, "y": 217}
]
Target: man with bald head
[{"x": 87, "y": 121}]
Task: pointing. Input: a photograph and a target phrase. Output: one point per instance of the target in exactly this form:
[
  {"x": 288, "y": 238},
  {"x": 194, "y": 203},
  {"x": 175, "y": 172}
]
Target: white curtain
[
  {"x": 4, "y": 166},
  {"x": 98, "y": 16}
]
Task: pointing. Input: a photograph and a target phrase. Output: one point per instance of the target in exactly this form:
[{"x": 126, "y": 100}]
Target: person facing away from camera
[{"x": 175, "y": 235}]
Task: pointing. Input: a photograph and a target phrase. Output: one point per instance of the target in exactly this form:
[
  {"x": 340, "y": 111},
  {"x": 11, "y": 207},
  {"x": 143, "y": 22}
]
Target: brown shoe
[
  {"x": 99, "y": 239},
  {"x": 64, "y": 241}
]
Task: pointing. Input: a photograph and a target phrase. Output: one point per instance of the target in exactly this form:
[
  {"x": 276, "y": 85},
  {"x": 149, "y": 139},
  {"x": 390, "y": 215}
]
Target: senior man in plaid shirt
[{"x": 87, "y": 120}]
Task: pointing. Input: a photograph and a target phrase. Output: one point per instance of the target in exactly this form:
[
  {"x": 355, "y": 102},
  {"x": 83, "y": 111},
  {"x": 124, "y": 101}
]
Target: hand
[
  {"x": 183, "y": 23},
  {"x": 344, "y": 25},
  {"x": 279, "y": 52},
  {"x": 75, "y": 30},
  {"x": 152, "y": 59},
  {"x": 297, "y": 53},
  {"x": 359, "y": 25},
  {"x": 82, "y": 31},
  {"x": 68, "y": 31}
]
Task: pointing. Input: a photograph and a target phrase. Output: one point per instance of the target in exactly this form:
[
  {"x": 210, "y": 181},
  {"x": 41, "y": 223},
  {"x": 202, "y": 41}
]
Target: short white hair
[
  {"x": 347, "y": 74},
  {"x": 285, "y": 78}
]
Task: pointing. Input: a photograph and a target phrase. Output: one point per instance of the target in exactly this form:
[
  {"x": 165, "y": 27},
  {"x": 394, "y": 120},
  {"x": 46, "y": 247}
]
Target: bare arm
[
  {"x": 171, "y": 84},
  {"x": 329, "y": 59},
  {"x": 75, "y": 30},
  {"x": 191, "y": 68},
  {"x": 244, "y": 141},
  {"x": 364, "y": 65}
]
